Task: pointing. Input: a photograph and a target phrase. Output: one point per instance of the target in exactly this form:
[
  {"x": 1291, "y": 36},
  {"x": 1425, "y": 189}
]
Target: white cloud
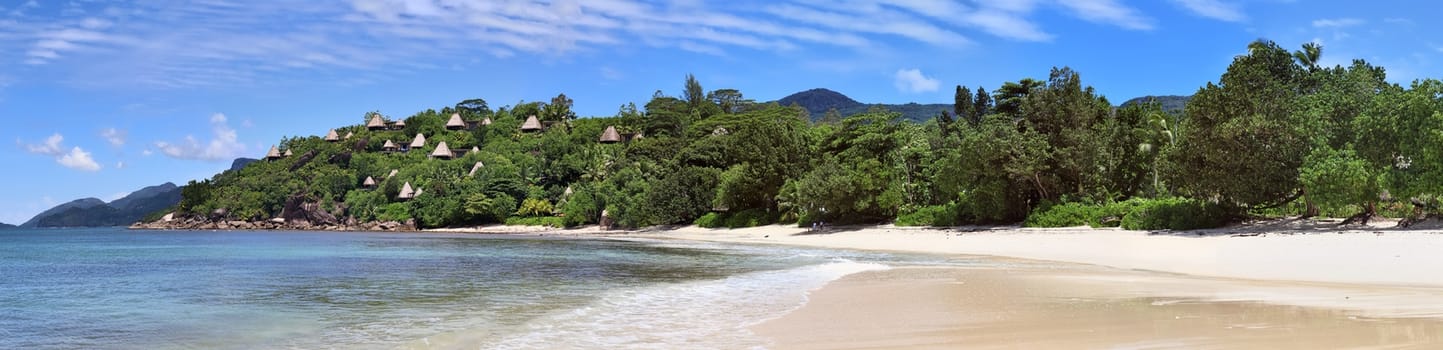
[
  {"x": 146, "y": 152},
  {"x": 115, "y": 137},
  {"x": 1006, "y": 24},
  {"x": 51, "y": 146},
  {"x": 1108, "y": 12},
  {"x": 1215, "y": 9},
  {"x": 224, "y": 144},
  {"x": 229, "y": 43},
  {"x": 1337, "y": 22},
  {"x": 912, "y": 80},
  {"x": 120, "y": 164},
  {"x": 609, "y": 73},
  {"x": 78, "y": 159}
]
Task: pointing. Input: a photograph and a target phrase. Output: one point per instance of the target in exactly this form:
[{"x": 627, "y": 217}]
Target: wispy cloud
[
  {"x": 115, "y": 137},
  {"x": 1337, "y": 22},
  {"x": 223, "y": 145},
  {"x": 1109, "y": 12},
  {"x": 78, "y": 159},
  {"x": 51, "y": 146},
  {"x": 230, "y": 42},
  {"x": 1215, "y": 9},
  {"x": 912, "y": 80}
]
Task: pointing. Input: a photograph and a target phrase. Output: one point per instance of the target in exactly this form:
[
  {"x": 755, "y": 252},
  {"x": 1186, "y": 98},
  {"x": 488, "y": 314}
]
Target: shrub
[
  {"x": 711, "y": 220},
  {"x": 1176, "y": 214},
  {"x": 548, "y": 221},
  {"x": 399, "y": 212},
  {"x": 750, "y": 218},
  {"x": 535, "y": 207},
  {"x": 932, "y": 215},
  {"x": 1062, "y": 215}
]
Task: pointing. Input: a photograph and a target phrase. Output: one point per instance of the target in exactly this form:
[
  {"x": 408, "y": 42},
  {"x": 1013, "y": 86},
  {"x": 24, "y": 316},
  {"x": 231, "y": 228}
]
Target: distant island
[
  {"x": 818, "y": 102},
  {"x": 93, "y": 212},
  {"x": 1276, "y": 135}
]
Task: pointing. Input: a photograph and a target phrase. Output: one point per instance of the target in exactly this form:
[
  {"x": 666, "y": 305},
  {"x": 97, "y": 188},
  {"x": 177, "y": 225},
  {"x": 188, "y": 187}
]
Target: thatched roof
[
  {"x": 475, "y": 149},
  {"x": 455, "y": 122},
  {"x": 370, "y": 182},
  {"x": 531, "y": 124},
  {"x": 349, "y": 134},
  {"x": 399, "y": 124},
  {"x": 475, "y": 168},
  {"x": 610, "y": 135},
  {"x": 419, "y": 141},
  {"x": 567, "y": 192},
  {"x": 442, "y": 151},
  {"x": 273, "y": 153},
  {"x": 288, "y": 152},
  {"x": 639, "y": 135},
  {"x": 486, "y": 121},
  {"x": 393, "y": 173},
  {"x": 376, "y": 122},
  {"x": 406, "y": 191},
  {"x": 389, "y": 145},
  {"x": 331, "y": 136}
]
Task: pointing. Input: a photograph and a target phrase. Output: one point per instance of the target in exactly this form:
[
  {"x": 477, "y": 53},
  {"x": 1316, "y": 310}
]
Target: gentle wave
[{"x": 713, "y": 314}]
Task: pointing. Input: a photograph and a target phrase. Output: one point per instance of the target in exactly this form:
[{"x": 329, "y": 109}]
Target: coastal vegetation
[{"x": 1277, "y": 134}]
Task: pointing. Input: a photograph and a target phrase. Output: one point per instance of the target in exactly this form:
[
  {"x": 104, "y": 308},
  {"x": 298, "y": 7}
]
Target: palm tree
[
  {"x": 1309, "y": 55},
  {"x": 1159, "y": 123}
]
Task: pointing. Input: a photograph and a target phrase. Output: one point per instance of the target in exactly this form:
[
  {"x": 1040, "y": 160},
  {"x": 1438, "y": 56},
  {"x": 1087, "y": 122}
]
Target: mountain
[
  {"x": 5, "y": 226},
  {"x": 92, "y": 212},
  {"x": 1173, "y": 104},
  {"x": 83, "y": 203},
  {"x": 818, "y": 101},
  {"x": 241, "y": 163}
]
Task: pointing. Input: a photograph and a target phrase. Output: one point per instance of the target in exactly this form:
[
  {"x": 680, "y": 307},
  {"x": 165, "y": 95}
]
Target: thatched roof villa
[
  {"x": 610, "y": 135},
  {"x": 376, "y": 123},
  {"x": 455, "y": 123},
  {"x": 406, "y": 192},
  {"x": 442, "y": 151},
  {"x": 531, "y": 124}
]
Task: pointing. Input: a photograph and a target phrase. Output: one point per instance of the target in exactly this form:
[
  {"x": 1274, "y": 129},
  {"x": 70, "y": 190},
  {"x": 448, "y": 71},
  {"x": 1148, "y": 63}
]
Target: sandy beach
[{"x": 1274, "y": 285}]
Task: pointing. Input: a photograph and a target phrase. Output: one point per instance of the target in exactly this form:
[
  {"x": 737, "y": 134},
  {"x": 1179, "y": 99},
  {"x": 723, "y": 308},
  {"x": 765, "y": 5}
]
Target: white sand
[{"x": 1372, "y": 257}]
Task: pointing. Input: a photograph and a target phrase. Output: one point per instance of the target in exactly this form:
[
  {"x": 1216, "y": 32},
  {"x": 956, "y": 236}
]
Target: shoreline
[
  {"x": 1336, "y": 285},
  {"x": 1311, "y": 251},
  {"x": 1078, "y": 306}
]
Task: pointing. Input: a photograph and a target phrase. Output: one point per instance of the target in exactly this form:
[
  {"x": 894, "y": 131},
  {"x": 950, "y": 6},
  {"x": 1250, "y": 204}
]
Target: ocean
[{"x": 112, "y": 288}]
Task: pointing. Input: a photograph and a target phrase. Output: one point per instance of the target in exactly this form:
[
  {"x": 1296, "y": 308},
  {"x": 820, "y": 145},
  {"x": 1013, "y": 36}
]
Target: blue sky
[{"x": 104, "y": 97}]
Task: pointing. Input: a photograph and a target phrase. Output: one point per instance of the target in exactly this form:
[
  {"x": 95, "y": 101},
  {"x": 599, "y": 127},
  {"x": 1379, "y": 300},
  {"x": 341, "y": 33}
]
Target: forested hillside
[
  {"x": 1276, "y": 134},
  {"x": 833, "y": 106}
]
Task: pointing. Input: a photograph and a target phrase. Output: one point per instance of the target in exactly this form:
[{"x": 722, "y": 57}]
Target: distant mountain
[
  {"x": 818, "y": 101},
  {"x": 241, "y": 163},
  {"x": 5, "y": 226},
  {"x": 1173, "y": 104},
  {"x": 92, "y": 212},
  {"x": 83, "y": 203}
]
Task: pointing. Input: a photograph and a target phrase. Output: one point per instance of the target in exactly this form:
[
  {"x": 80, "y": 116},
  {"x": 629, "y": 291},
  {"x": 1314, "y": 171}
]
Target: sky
[{"x": 102, "y": 98}]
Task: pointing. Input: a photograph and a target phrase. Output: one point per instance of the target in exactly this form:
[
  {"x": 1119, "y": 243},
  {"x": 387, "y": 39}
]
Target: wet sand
[{"x": 1083, "y": 307}]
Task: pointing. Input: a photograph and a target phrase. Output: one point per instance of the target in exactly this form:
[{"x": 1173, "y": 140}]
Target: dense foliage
[{"x": 1275, "y": 129}]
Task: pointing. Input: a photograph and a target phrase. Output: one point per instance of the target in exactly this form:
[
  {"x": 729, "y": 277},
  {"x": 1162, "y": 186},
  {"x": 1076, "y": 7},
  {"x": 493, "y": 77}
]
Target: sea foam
[{"x": 713, "y": 314}]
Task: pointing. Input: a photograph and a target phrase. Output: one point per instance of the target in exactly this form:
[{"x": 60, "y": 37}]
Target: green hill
[
  {"x": 91, "y": 212},
  {"x": 1173, "y": 104},
  {"x": 818, "y": 101}
]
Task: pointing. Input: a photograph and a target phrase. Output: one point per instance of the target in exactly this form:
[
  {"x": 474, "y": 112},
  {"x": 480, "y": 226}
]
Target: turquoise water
[{"x": 113, "y": 288}]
